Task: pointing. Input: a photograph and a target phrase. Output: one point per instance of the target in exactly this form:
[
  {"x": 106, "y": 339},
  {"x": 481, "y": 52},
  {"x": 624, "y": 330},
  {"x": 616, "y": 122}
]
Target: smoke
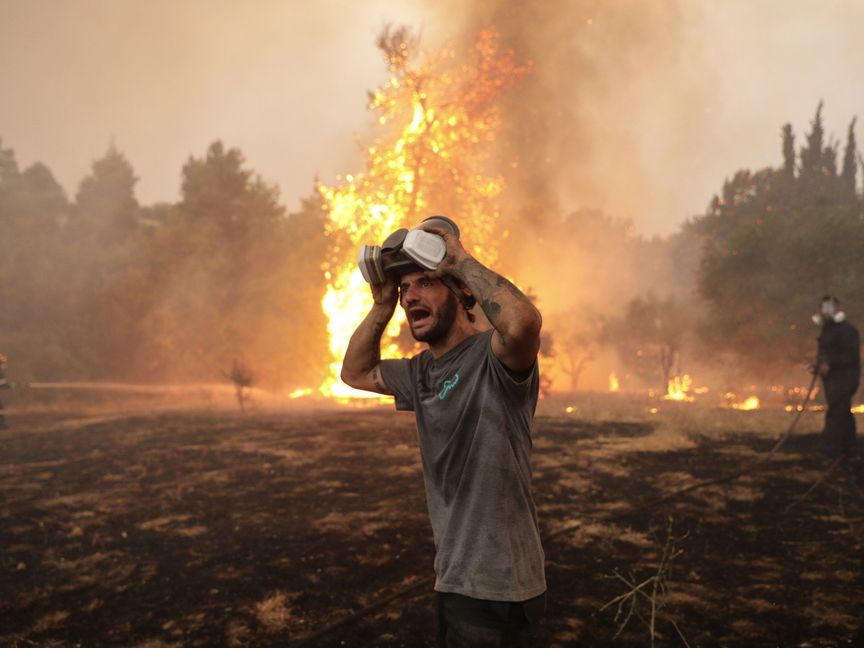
[
  {"x": 610, "y": 110},
  {"x": 284, "y": 81},
  {"x": 592, "y": 148},
  {"x": 629, "y": 112}
]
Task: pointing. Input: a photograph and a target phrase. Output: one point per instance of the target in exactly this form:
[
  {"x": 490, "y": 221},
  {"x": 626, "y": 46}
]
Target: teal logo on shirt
[{"x": 448, "y": 385}]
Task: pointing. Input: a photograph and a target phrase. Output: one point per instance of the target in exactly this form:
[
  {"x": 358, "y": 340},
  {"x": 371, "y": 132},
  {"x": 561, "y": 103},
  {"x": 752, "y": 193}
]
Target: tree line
[
  {"x": 101, "y": 287},
  {"x": 771, "y": 243}
]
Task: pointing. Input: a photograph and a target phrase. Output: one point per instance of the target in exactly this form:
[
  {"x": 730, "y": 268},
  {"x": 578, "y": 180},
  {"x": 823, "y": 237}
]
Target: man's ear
[{"x": 469, "y": 300}]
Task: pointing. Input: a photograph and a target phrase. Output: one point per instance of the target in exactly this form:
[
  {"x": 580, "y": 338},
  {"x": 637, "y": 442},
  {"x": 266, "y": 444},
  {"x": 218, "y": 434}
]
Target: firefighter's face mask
[{"x": 828, "y": 312}]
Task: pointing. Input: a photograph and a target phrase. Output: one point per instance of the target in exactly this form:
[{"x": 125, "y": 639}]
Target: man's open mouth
[{"x": 418, "y": 315}]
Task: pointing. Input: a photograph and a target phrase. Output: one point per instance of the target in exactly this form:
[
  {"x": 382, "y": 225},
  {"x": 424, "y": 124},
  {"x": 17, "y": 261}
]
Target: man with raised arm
[{"x": 474, "y": 393}]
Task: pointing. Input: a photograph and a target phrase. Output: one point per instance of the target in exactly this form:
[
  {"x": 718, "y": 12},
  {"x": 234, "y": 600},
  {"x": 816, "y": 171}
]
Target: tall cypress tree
[
  {"x": 850, "y": 164},
  {"x": 788, "y": 152},
  {"x": 811, "y": 153}
]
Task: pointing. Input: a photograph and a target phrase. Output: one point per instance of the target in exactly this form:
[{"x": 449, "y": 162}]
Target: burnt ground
[{"x": 212, "y": 529}]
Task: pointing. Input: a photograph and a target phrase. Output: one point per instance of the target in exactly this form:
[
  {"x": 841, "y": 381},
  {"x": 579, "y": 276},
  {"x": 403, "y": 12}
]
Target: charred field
[{"x": 205, "y": 527}]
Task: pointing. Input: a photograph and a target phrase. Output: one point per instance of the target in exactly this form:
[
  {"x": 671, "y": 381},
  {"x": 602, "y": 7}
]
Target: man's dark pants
[
  {"x": 838, "y": 437},
  {"x": 464, "y": 622}
]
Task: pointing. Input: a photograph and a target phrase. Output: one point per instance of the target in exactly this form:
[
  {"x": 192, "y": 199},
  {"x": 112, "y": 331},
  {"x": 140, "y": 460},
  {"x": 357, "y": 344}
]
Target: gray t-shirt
[{"x": 474, "y": 425}]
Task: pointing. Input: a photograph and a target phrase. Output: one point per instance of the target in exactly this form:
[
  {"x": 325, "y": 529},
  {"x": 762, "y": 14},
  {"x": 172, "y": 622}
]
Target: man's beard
[{"x": 443, "y": 322}]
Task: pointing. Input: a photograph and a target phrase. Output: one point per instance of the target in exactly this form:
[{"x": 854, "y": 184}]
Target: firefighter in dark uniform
[{"x": 839, "y": 365}]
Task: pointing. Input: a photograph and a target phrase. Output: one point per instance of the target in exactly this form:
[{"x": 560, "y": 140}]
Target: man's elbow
[
  {"x": 530, "y": 322},
  {"x": 348, "y": 377},
  {"x": 525, "y": 328}
]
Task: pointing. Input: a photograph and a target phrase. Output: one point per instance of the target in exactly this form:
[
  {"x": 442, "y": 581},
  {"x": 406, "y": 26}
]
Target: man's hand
[
  {"x": 515, "y": 319},
  {"x": 385, "y": 294},
  {"x": 454, "y": 255},
  {"x": 823, "y": 369},
  {"x": 360, "y": 367}
]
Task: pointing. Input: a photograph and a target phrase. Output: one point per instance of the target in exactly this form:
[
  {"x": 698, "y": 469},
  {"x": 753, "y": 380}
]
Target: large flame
[{"x": 439, "y": 118}]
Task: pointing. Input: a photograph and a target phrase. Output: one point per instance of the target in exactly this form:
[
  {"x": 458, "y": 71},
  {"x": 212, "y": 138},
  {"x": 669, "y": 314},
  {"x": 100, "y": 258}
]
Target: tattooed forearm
[
  {"x": 509, "y": 311},
  {"x": 491, "y": 308},
  {"x": 488, "y": 286},
  {"x": 475, "y": 274},
  {"x": 378, "y": 329},
  {"x": 505, "y": 283},
  {"x": 364, "y": 350},
  {"x": 516, "y": 321}
]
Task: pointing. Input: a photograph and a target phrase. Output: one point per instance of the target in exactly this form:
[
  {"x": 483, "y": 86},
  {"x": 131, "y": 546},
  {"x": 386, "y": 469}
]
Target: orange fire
[
  {"x": 858, "y": 409},
  {"x": 438, "y": 118},
  {"x": 749, "y": 403},
  {"x": 679, "y": 389},
  {"x": 614, "y": 385}
]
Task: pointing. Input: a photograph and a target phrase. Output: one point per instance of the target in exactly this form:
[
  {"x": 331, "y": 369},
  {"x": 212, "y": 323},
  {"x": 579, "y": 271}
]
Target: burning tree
[{"x": 437, "y": 118}]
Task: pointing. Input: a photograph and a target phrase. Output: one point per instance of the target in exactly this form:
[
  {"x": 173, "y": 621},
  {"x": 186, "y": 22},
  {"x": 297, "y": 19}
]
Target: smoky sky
[{"x": 648, "y": 106}]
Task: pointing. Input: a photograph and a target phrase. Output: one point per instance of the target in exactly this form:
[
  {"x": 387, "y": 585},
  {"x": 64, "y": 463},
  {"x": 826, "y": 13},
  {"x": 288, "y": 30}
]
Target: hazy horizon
[{"x": 286, "y": 83}]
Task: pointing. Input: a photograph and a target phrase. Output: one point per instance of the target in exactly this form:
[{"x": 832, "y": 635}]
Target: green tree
[
  {"x": 231, "y": 275},
  {"x": 771, "y": 248},
  {"x": 788, "y": 153},
  {"x": 106, "y": 207},
  {"x": 33, "y": 208},
  {"x": 850, "y": 163},
  {"x": 575, "y": 343},
  {"x": 106, "y": 289},
  {"x": 814, "y": 152},
  {"x": 649, "y": 337},
  {"x": 101, "y": 256},
  {"x": 302, "y": 291},
  {"x": 210, "y": 259}
]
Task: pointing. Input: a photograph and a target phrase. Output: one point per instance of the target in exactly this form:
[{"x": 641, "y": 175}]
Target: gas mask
[
  {"x": 405, "y": 251},
  {"x": 413, "y": 250},
  {"x": 828, "y": 312}
]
